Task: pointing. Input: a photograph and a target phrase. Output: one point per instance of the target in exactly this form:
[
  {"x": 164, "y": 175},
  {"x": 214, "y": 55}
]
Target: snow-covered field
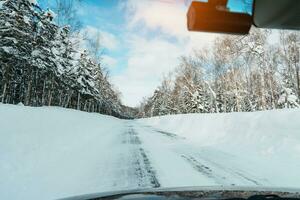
[{"x": 49, "y": 153}]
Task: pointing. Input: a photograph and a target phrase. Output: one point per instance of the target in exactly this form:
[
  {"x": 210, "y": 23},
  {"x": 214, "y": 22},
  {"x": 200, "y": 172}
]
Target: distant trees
[
  {"x": 290, "y": 54},
  {"x": 39, "y": 64},
  {"x": 239, "y": 74}
]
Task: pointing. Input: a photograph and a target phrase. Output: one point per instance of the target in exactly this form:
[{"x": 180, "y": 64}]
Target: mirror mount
[
  {"x": 217, "y": 3},
  {"x": 214, "y": 16}
]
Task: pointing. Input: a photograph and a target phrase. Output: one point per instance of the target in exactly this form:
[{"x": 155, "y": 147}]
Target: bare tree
[
  {"x": 94, "y": 46},
  {"x": 66, "y": 12}
]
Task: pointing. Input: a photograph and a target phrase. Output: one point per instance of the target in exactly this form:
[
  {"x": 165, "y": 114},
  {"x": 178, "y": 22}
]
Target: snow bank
[
  {"x": 271, "y": 131},
  {"x": 269, "y": 140},
  {"x": 50, "y": 153}
]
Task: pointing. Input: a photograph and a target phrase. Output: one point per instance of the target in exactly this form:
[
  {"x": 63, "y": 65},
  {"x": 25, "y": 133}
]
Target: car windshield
[{"x": 112, "y": 95}]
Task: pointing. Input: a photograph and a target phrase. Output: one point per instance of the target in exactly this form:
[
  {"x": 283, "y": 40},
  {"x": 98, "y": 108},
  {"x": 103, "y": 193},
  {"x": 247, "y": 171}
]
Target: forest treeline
[
  {"x": 237, "y": 74},
  {"x": 41, "y": 64}
]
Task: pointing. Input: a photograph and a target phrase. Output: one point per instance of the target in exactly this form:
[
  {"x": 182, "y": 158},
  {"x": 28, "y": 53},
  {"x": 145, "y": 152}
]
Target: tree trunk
[
  {"x": 68, "y": 99},
  {"x": 43, "y": 94},
  {"x": 298, "y": 80},
  {"x": 60, "y": 98},
  {"x": 78, "y": 101},
  {"x": 4, "y": 92},
  {"x": 27, "y": 100},
  {"x": 49, "y": 98},
  {"x": 50, "y": 93}
]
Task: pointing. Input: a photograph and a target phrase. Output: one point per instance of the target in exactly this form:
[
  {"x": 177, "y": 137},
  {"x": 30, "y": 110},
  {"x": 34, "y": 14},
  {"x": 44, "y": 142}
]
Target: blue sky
[
  {"x": 107, "y": 16},
  {"x": 142, "y": 40}
]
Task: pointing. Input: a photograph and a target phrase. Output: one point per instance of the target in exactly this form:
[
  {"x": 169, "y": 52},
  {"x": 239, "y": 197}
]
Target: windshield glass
[{"x": 102, "y": 96}]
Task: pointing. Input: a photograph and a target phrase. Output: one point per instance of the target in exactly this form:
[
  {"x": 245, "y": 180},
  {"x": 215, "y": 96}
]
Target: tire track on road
[
  {"x": 220, "y": 174},
  {"x": 141, "y": 168},
  {"x": 217, "y": 172}
]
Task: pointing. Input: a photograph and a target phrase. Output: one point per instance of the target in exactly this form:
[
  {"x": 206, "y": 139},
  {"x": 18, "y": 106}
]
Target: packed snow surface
[
  {"x": 265, "y": 144},
  {"x": 50, "y": 153}
]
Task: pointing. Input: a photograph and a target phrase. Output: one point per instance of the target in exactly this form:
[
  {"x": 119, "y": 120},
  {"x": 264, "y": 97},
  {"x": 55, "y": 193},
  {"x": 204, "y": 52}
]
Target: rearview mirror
[
  {"x": 214, "y": 16},
  {"x": 278, "y": 14}
]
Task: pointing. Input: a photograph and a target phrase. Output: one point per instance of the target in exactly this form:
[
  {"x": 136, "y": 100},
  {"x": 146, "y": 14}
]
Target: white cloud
[
  {"x": 107, "y": 40},
  {"x": 170, "y": 18},
  {"x": 109, "y": 61},
  {"x": 148, "y": 60},
  {"x": 154, "y": 56}
]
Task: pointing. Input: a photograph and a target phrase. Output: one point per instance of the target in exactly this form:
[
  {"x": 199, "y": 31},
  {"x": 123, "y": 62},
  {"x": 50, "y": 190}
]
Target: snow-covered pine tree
[
  {"x": 16, "y": 27},
  {"x": 39, "y": 64}
]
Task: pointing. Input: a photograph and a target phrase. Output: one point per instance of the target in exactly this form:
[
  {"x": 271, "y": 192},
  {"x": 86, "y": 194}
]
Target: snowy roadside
[
  {"x": 51, "y": 152},
  {"x": 266, "y": 144}
]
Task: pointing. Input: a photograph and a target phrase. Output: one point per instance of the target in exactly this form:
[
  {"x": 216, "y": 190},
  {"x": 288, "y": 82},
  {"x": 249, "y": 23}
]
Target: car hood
[{"x": 219, "y": 191}]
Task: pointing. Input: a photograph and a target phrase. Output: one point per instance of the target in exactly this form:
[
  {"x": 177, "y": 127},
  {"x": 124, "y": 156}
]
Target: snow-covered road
[
  {"x": 159, "y": 158},
  {"x": 149, "y": 158}
]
